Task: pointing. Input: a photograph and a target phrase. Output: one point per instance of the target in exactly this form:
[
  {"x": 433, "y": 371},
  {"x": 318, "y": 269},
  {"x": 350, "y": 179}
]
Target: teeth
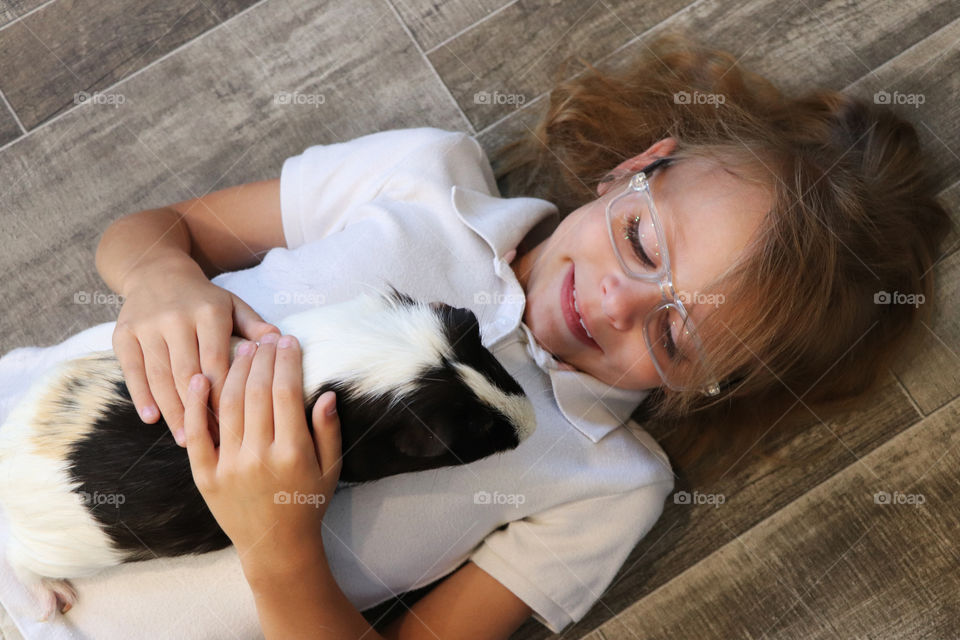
[{"x": 576, "y": 305}]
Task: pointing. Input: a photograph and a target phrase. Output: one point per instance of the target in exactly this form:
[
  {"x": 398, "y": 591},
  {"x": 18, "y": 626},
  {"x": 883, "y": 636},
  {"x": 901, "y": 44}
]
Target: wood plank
[
  {"x": 204, "y": 118},
  {"x": 752, "y": 490},
  {"x": 930, "y": 369},
  {"x": 432, "y": 23},
  {"x": 12, "y": 9},
  {"x": 923, "y": 86},
  {"x": 9, "y": 129},
  {"x": 799, "y": 44},
  {"x": 510, "y": 58},
  {"x": 839, "y": 562},
  {"x": 70, "y": 48}
]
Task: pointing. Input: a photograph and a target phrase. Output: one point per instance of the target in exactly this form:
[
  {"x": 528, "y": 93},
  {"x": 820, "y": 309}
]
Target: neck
[{"x": 529, "y": 248}]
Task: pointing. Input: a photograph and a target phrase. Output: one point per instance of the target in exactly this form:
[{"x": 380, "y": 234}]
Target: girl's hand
[
  {"x": 269, "y": 482},
  {"x": 173, "y": 323}
]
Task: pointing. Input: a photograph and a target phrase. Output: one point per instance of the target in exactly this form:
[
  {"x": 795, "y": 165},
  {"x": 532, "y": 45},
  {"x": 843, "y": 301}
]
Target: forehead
[{"x": 708, "y": 216}]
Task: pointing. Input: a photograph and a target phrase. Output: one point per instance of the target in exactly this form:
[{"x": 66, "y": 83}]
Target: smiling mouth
[{"x": 571, "y": 312}]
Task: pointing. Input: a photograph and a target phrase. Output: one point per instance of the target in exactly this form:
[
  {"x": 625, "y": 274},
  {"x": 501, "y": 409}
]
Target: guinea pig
[{"x": 86, "y": 485}]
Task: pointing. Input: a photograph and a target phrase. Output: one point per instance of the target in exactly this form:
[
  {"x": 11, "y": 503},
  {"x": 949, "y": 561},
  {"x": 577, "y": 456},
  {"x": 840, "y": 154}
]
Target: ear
[{"x": 658, "y": 149}]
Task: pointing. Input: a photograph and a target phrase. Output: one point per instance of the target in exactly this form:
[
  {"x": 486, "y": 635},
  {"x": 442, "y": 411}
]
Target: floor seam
[
  {"x": 433, "y": 70},
  {"x": 127, "y": 78}
]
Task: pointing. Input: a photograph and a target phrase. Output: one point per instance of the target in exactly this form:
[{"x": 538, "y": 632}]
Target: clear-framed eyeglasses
[{"x": 639, "y": 243}]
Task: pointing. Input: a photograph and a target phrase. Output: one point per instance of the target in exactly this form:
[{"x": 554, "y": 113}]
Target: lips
[{"x": 570, "y": 315}]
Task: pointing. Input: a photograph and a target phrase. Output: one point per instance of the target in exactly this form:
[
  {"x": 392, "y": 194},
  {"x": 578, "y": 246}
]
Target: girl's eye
[
  {"x": 668, "y": 338},
  {"x": 634, "y": 239}
]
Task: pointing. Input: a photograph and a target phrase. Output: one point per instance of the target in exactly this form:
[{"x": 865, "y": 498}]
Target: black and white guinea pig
[{"x": 86, "y": 485}]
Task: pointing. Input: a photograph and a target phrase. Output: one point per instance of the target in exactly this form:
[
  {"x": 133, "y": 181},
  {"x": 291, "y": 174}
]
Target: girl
[{"x": 720, "y": 246}]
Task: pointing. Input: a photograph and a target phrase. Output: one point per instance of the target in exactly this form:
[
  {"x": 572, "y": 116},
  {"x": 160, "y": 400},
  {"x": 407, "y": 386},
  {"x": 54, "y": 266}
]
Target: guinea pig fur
[{"x": 86, "y": 485}]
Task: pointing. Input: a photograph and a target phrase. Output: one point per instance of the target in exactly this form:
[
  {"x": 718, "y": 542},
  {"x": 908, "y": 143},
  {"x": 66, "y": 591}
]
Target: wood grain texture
[
  {"x": 753, "y": 489},
  {"x": 511, "y": 58},
  {"x": 9, "y": 130},
  {"x": 203, "y": 119},
  {"x": 855, "y": 557},
  {"x": 922, "y": 86},
  {"x": 432, "y": 23},
  {"x": 48, "y": 69},
  {"x": 930, "y": 369},
  {"x": 12, "y": 9}
]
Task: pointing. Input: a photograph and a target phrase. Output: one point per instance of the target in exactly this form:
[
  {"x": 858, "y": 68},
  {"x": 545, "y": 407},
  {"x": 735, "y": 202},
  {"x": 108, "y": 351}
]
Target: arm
[
  {"x": 468, "y": 604},
  {"x": 305, "y": 603},
  {"x": 222, "y": 231}
]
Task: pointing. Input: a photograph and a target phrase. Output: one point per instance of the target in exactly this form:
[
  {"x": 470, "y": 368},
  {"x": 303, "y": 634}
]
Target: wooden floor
[{"x": 114, "y": 106}]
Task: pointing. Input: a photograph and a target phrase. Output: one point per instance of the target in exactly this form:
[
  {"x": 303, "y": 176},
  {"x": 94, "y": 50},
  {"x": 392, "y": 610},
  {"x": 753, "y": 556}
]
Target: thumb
[
  {"x": 326, "y": 434},
  {"x": 247, "y": 322}
]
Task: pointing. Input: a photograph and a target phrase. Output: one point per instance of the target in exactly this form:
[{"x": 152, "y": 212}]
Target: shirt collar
[{"x": 593, "y": 407}]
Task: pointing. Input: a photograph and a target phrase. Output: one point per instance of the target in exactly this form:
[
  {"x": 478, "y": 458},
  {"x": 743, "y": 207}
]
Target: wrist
[
  {"x": 268, "y": 572},
  {"x": 168, "y": 263}
]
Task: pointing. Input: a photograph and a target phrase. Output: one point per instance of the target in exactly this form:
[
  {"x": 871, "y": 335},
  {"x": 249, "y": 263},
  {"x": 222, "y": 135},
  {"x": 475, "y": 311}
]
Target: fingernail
[
  {"x": 149, "y": 413},
  {"x": 178, "y": 436},
  {"x": 333, "y": 408},
  {"x": 196, "y": 382},
  {"x": 246, "y": 348},
  {"x": 270, "y": 338},
  {"x": 285, "y": 342}
]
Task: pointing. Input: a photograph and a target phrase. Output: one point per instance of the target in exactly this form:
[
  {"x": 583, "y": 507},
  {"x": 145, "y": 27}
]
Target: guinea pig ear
[{"x": 417, "y": 441}]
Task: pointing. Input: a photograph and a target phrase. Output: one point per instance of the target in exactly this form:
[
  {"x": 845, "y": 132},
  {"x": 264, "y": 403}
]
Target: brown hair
[{"x": 854, "y": 214}]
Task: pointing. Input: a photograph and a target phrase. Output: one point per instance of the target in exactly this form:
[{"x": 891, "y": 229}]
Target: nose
[{"x": 626, "y": 301}]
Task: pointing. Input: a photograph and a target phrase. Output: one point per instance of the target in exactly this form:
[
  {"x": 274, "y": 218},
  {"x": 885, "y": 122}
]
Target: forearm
[
  {"x": 140, "y": 240},
  {"x": 305, "y": 602}
]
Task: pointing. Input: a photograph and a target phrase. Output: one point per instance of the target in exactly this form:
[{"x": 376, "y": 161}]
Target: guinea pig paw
[{"x": 55, "y": 595}]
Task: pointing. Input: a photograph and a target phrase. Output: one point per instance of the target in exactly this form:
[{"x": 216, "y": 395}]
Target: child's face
[{"x": 708, "y": 216}]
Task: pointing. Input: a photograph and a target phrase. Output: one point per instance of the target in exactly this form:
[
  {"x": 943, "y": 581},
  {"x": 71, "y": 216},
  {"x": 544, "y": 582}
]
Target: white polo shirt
[{"x": 552, "y": 520}]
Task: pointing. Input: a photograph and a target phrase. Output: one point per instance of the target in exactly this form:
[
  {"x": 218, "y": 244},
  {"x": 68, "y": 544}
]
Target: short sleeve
[
  {"x": 560, "y": 561},
  {"x": 320, "y": 187}
]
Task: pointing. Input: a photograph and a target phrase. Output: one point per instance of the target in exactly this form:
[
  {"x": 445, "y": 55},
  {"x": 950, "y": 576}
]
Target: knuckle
[
  {"x": 290, "y": 458},
  {"x": 258, "y": 392},
  {"x": 286, "y": 392},
  {"x": 208, "y": 310}
]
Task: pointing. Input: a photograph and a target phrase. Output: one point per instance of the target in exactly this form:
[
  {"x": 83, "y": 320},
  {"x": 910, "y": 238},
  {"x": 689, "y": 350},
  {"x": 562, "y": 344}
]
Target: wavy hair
[{"x": 854, "y": 215}]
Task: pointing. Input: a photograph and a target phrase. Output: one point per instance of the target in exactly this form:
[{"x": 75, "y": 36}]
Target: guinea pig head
[{"x": 459, "y": 405}]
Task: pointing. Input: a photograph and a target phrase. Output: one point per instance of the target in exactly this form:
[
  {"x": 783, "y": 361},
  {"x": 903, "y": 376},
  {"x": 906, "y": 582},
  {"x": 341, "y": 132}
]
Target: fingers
[
  {"x": 232, "y": 399},
  {"x": 290, "y": 422},
  {"x": 326, "y": 436},
  {"x": 126, "y": 347},
  {"x": 248, "y": 322},
  {"x": 258, "y": 402},
  {"x": 200, "y": 449},
  {"x": 184, "y": 357},
  {"x": 213, "y": 340},
  {"x": 157, "y": 364}
]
